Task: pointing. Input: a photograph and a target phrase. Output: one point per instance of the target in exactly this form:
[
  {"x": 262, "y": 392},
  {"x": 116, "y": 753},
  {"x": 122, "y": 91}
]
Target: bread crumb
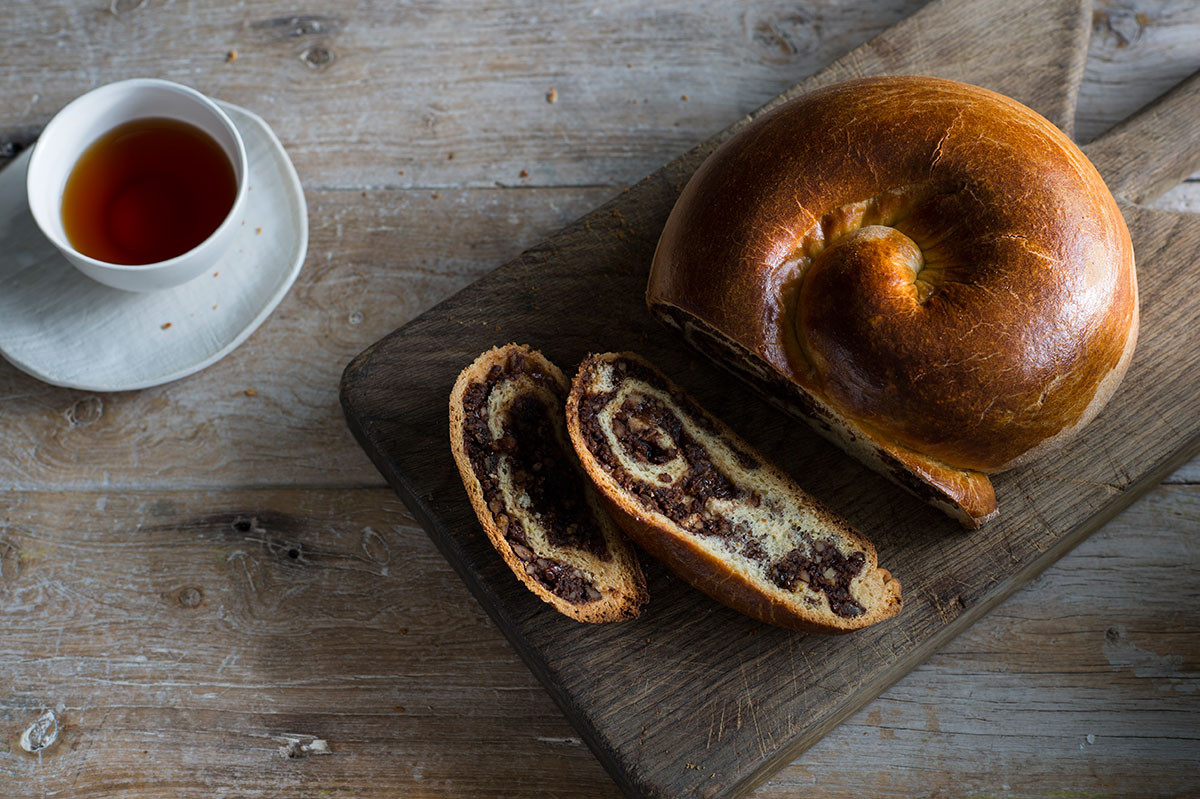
[
  {"x": 436, "y": 196},
  {"x": 552, "y": 95},
  {"x": 165, "y": 325},
  {"x": 231, "y": 56},
  {"x": 250, "y": 392},
  {"x": 258, "y": 231},
  {"x": 683, "y": 97},
  {"x": 215, "y": 307},
  {"x": 401, "y": 171},
  {"x": 449, "y": 156},
  {"x": 216, "y": 274},
  {"x": 524, "y": 173}
]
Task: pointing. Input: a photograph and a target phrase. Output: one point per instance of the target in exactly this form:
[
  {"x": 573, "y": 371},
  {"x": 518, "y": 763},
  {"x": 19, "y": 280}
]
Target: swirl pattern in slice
[
  {"x": 694, "y": 495},
  {"x": 509, "y": 440}
]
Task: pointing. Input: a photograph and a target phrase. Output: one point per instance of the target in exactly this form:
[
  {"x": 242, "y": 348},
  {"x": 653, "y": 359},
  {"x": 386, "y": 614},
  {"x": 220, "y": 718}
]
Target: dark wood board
[{"x": 693, "y": 699}]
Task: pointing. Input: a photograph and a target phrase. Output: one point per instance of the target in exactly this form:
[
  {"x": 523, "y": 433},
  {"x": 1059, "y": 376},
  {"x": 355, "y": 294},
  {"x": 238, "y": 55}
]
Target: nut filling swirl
[
  {"x": 662, "y": 449},
  {"x": 515, "y": 438}
]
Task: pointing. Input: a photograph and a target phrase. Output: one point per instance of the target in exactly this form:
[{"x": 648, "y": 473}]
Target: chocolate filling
[
  {"x": 640, "y": 421},
  {"x": 543, "y": 469},
  {"x": 831, "y": 572}
]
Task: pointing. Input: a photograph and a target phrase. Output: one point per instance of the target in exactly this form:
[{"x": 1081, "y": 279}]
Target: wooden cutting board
[{"x": 693, "y": 699}]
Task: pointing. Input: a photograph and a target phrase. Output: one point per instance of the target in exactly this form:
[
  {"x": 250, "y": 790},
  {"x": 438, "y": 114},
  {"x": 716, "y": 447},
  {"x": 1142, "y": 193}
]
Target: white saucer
[{"x": 63, "y": 328}]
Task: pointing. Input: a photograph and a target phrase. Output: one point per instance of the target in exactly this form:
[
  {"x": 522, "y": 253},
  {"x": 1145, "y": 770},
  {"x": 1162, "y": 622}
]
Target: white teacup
[{"x": 87, "y": 118}]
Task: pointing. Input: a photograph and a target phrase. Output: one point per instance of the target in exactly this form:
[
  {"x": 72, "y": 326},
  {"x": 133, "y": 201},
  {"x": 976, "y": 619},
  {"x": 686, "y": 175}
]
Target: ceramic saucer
[{"x": 64, "y": 328}]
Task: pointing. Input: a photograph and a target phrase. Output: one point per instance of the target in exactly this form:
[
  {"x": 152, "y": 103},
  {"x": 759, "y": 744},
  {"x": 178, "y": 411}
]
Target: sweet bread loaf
[
  {"x": 692, "y": 494},
  {"x": 508, "y": 436},
  {"x": 930, "y": 273}
]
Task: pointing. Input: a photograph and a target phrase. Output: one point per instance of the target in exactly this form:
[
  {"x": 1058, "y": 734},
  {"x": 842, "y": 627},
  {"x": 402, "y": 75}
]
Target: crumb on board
[
  {"x": 165, "y": 325},
  {"x": 401, "y": 171},
  {"x": 258, "y": 231},
  {"x": 552, "y": 95},
  {"x": 524, "y": 173},
  {"x": 215, "y": 307},
  {"x": 216, "y": 274},
  {"x": 683, "y": 97},
  {"x": 450, "y": 156},
  {"x": 250, "y": 392},
  {"x": 294, "y": 748},
  {"x": 436, "y": 196},
  {"x": 231, "y": 56}
]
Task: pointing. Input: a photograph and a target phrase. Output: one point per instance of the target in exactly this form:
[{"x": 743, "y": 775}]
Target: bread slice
[
  {"x": 538, "y": 509},
  {"x": 694, "y": 495}
]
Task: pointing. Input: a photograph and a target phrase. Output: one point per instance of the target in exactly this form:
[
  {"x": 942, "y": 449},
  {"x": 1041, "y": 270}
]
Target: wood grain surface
[
  {"x": 691, "y": 699},
  {"x": 111, "y": 501}
]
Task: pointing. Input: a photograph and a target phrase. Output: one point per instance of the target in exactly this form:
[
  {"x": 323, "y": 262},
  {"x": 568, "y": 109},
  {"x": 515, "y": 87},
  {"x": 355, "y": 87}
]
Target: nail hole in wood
[
  {"x": 190, "y": 597},
  {"x": 317, "y": 57},
  {"x": 85, "y": 413}
]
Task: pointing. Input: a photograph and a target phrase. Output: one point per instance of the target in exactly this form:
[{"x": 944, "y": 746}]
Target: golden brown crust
[
  {"x": 935, "y": 264},
  {"x": 682, "y": 552},
  {"x": 624, "y": 589}
]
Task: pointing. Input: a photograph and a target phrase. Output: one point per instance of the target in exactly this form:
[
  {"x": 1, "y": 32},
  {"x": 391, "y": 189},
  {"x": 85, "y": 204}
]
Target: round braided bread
[{"x": 932, "y": 272}]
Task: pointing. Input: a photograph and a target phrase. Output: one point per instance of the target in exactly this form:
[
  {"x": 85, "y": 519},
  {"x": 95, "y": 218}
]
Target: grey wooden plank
[{"x": 180, "y": 653}]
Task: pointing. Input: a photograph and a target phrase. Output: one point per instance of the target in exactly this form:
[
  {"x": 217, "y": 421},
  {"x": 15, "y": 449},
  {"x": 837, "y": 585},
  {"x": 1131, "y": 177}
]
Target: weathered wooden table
[{"x": 207, "y": 590}]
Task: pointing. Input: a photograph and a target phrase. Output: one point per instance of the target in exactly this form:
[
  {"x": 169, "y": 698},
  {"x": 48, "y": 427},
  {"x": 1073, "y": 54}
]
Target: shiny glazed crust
[
  {"x": 619, "y": 580},
  {"x": 760, "y": 508},
  {"x": 929, "y": 272}
]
